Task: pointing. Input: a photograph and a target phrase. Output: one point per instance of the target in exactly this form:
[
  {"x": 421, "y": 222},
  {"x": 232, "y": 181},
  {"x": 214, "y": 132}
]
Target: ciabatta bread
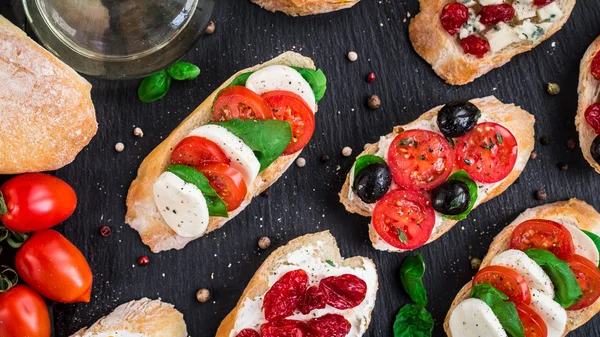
[{"x": 305, "y": 7}]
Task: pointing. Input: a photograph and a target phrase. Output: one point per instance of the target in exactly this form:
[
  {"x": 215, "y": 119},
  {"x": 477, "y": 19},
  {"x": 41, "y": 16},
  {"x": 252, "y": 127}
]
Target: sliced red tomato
[
  {"x": 404, "y": 219},
  {"x": 532, "y": 322},
  {"x": 240, "y": 102},
  {"x": 228, "y": 183},
  {"x": 588, "y": 277},
  {"x": 198, "y": 152},
  {"x": 290, "y": 107},
  {"x": 23, "y": 313},
  {"x": 505, "y": 280},
  {"x": 543, "y": 234},
  {"x": 420, "y": 159},
  {"x": 488, "y": 152}
]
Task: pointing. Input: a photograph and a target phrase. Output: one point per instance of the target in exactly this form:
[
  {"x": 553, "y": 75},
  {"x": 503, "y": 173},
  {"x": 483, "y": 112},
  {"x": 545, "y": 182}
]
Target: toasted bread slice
[
  {"x": 321, "y": 247},
  {"x": 574, "y": 212},
  {"x": 517, "y": 120},
  {"x": 305, "y": 7},
  {"x": 445, "y": 54},
  {"x": 142, "y": 213},
  {"x": 150, "y": 318},
  {"x": 589, "y": 93}
]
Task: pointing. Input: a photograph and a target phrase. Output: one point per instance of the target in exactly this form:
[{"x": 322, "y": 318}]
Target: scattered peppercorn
[
  {"x": 533, "y": 155},
  {"x": 475, "y": 263},
  {"x": 301, "y": 162},
  {"x": 553, "y": 89},
  {"x": 545, "y": 140},
  {"x": 352, "y": 56},
  {"x": 325, "y": 158},
  {"x": 571, "y": 143},
  {"x": 203, "y": 295},
  {"x": 144, "y": 261},
  {"x": 347, "y": 151},
  {"x": 105, "y": 231},
  {"x": 541, "y": 195},
  {"x": 563, "y": 166},
  {"x": 264, "y": 242},
  {"x": 119, "y": 147},
  {"x": 374, "y": 102},
  {"x": 138, "y": 132},
  {"x": 371, "y": 78},
  {"x": 210, "y": 29},
  {"x": 266, "y": 193}
]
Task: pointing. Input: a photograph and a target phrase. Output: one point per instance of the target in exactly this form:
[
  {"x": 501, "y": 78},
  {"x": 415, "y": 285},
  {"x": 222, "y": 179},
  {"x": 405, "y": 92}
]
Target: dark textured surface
[{"x": 305, "y": 199}]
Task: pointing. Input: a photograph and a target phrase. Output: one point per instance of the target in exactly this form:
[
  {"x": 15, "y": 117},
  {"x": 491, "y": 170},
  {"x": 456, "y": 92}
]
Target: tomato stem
[
  {"x": 3, "y": 208},
  {"x": 6, "y": 280},
  {"x": 14, "y": 239}
]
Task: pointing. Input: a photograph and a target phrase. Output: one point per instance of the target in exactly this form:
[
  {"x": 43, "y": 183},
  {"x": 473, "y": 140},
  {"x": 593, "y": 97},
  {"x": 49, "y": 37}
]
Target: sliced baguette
[
  {"x": 305, "y": 7},
  {"x": 574, "y": 212},
  {"x": 328, "y": 251},
  {"x": 589, "y": 93},
  {"x": 150, "y": 318},
  {"x": 142, "y": 213},
  {"x": 445, "y": 54},
  {"x": 517, "y": 120}
]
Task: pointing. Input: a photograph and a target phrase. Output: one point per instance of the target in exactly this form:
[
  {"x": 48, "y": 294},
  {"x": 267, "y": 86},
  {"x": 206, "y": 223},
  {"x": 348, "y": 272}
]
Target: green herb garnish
[
  {"x": 154, "y": 87},
  {"x": 411, "y": 275},
  {"x": 182, "y": 71},
  {"x": 413, "y": 320},
  {"x": 505, "y": 310},
  {"x": 464, "y": 177},
  {"x": 363, "y": 161},
  {"x": 216, "y": 206}
]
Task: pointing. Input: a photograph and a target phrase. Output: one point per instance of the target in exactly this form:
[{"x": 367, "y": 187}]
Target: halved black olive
[
  {"x": 457, "y": 118},
  {"x": 372, "y": 182},
  {"x": 595, "y": 149},
  {"x": 451, "y": 198}
]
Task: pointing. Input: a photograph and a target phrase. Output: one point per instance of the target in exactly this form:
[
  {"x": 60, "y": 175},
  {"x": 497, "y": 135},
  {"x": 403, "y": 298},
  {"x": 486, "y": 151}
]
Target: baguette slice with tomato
[
  {"x": 305, "y": 7},
  {"x": 151, "y": 318}
]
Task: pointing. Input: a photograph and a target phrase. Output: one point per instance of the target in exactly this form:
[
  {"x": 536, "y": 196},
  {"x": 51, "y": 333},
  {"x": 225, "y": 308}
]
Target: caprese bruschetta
[
  {"x": 588, "y": 113},
  {"x": 418, "y": 181},
  {"x": 540, "y": 277},
  {"x": 464, "y": 39},
  {"x": 306, "y": 289},
  {"x": 237, "y": 143}
]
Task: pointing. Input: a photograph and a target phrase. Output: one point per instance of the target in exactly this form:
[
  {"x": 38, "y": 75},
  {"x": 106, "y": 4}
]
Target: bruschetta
[
  {"x": 588, "y": 112},
  {"x": 465, "y": 39},
  {"x": 539, "y": 278},
  {"x": 417, "y": 182},
  {"x": 305, "y": 7},
  {"x": 237, "y": 143},
  {"x": 306, "y": 288}
]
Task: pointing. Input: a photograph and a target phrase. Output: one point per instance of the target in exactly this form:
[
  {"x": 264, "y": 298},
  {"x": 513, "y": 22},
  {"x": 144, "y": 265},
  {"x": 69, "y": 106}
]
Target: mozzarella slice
[
  {"x": 584, "y": 246},
  {"x": 550, "y": 12},
  {"x": 182, "y": 205},
  {"x": 240, "y": 155},
  {"x": 473, "y": 318},
  {"x": 281, "y": 78},
  {"x": 551, "y": 312},
  {"x": 521, "y": 263}
]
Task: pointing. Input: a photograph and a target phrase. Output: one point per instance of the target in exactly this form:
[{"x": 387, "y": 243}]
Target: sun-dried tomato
[
  {"x": 248, "y": 333},
  {"x": 592, "y": 116},
  {"x": 285, "y": 328},
  {"x": 596, "y": 66},
  {"x": 330, "y": 325},
  {"x": 542, "y": 3},
  {"x": 494, "y": 14},
  {"x": 314, "y": 298},
  {"x": 454, "y": 15},
  {"x": 283, "y": 297},
  {"x": 345, "y": 291},
  {"x": 475, "y": 45}
]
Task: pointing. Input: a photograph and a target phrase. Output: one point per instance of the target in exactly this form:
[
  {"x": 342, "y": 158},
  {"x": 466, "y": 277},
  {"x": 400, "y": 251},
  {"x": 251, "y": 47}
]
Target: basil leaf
[
  {"x": 505, "y": 310},
  {"x": 182, "y": 71},
  {"x": 216, "y": 206},
  {"x": 316, "y": 79},
  {"x": 267, "y": 138},
  {"x": 364, "y": 161},
  {"x": 568, "y": 291},
  {"x": 463, "y": 176},
  {"x": 591, "y": 235},
  {"x": 413, "y": 320},
  {"x": 154, "y": 87},
  {"x": 240, "y": 80},
  {"x": 411, "y": 275}
]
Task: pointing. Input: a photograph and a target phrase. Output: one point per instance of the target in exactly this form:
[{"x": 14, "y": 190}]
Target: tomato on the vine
[{"x": 23, "y": 313}]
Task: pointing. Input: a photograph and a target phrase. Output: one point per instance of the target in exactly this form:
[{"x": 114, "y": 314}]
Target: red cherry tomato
[
  {"x": 505, "y": 280},
  {"x": 228, "y": 183},
  {"x": 23, "y": 313},
  {"x": 588, "y": 277},
  {"x": 198, "y": 152},
  {"x": 454, "y": 15},
  {"x": 404, "y": 219},
  {"x": 532, "y": 322},
  {"x": 290, "y": 107},
  {"x": 330, "y": 325},
  {"x": 36, "y": 201},
  {"x": 488, "y": 152},
  {"x": 595, "y": 69},
  {"x": 343, "y": 292},
  {"x": 240, "y": 102},
  {"x": 474, "y": 45},
  {"x": 282, "y": 299},
  {"x": 420, "y": 159},
  {"x": 592, "y": 116},
  {"x": 54, "y": 267},
  {"x": 543, "y": 234},
  {"x": 494, "y": 14}
]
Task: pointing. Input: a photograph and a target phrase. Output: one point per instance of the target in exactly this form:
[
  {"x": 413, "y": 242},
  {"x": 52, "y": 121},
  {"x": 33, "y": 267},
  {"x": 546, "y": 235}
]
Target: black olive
[
  {"x": 595, "y": 150},
  {"x": 457, "y": 118},
  {"x": 451, "y": 198},
  {"x": 372, "y": 182}
]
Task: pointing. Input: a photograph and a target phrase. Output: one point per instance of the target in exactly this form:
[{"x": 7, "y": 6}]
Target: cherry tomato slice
[
  {"x": 488, "y": 153},
  {"x": 23, "y": 313},
  {"x": 532, "y": 322},
  {"x": 290, "y": 107},
  {"x": 240, "y": 102},
  {"x": 507, "y": 281},
  {"x": 404, "y": 219},
  {"x": 198, "y": 152},
  {"x": 588, "y": 277},
  {"x": 543, "y": 234},
  {"x": 420, "y": 159},
  {"x": 228, "y": 183}
]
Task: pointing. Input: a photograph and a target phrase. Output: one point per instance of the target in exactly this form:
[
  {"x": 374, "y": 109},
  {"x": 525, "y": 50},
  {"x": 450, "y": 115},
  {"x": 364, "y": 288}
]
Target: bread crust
[
  {"x": 517, "y": 120},
  {"x": 578, "y": 213},
  {"x": 305, "y": 7},
  {"x": 46, "y": 109},
  {"x": 259, "y": 284},
  {"x": 589, "y": 93},
  {"x": 444, "y": 53}
]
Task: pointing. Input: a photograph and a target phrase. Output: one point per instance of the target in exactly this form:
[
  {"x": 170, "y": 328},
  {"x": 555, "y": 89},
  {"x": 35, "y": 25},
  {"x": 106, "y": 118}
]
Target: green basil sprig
[
  {"x": 240, "y": 80},
  {"x": 413, "y": 320},
  {"x": 154, "y": 87},
  {"x": 364, "y": 161},
  {"x": 316, "y": 79},
  {"x": 505, "y": 310},
  {"x": 594, "y": 238},
  {"x": 463, "y": 176},
  {"x": 568, "y": 291},
  {"x": 411, "y": 275},
  {"x": 216, "y": 206},
  {"x": 182, "y": 71}
]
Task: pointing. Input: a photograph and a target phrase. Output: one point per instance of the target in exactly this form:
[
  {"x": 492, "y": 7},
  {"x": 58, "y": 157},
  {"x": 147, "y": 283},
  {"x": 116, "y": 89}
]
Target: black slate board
[{"x": 305, "y": 199}]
